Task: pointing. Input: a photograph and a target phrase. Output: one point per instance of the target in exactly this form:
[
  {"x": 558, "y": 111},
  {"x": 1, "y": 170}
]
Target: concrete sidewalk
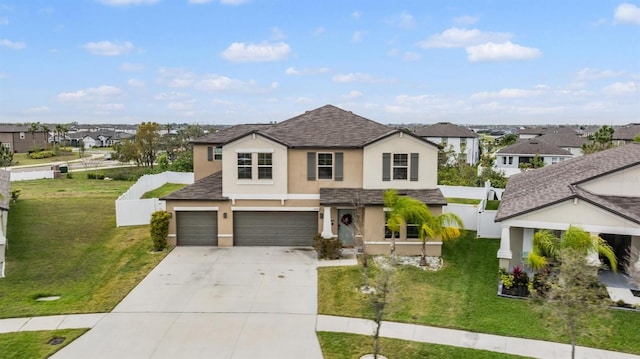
[
  {"x": 53, "y": 322},
  {"x": 460, "y": 338}
]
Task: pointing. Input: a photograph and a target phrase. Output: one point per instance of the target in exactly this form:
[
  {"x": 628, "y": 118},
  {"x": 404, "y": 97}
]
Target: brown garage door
[{"x": 274, "y": 228}]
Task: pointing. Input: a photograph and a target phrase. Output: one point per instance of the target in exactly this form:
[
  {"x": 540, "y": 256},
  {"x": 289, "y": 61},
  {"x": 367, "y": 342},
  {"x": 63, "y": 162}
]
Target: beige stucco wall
[
  {"x": 621, "y": 183},
  {"x": 202, "y": 167},
  {"x": 580, "y": 214},
  {"x": 254, "y": 143},
  {"x": 400, "y": 143},
  {"x": 298, "y": 183},
  {"x": 374, "y": 219}
]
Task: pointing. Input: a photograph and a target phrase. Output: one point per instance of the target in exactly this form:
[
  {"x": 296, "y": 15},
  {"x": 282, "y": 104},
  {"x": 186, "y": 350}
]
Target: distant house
[
  {"x": 571, "y": 142},
  {"x": 18, "y": 138},
  {"x": 508, "y": 159},
  {"x": 462, "y": 140},
  {"x": 530, "y": 132},
  {"x": 5, "y": 198},
  {"x": 625, "y": 134},
  {"x": 599, "y": 192},
  {"x": 99, "y": 139}
]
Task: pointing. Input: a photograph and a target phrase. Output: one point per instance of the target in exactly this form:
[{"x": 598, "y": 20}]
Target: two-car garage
[{"x": 250, "y": 228}]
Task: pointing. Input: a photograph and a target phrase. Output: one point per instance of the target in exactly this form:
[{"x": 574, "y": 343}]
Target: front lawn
[
  {"x": 163, "y": 190},
  {"x": 63, "y": 241},
  {"x": 462, "y": 295},
  {"x": 348, "y": 346},
  {"x": 29, "y": 345}
]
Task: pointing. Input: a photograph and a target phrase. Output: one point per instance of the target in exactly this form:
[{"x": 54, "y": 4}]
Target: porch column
[
  {"x": 326, "y": 223},
  {"x": 527, "y": 243},
  {"x": 504, "y": 253}
]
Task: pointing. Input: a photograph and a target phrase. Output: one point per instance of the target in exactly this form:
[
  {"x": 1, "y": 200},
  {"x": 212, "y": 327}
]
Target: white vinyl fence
[
  {"x": 475, "y": 216},
  {"x": 133, "y": 211},
  {"x": 30, "y": 175}
]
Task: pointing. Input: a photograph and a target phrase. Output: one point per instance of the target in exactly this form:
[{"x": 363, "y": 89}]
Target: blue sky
[{"x": 239, "y": 61}]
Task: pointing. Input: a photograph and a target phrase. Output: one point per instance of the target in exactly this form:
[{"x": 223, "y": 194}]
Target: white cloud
[
  {"x": 353, "y": 94},
  {"x": 39, "y": 109},
  {"x": 232, "y": 2},
  {"x": 171, "y": 96},
  {"x": 461, "y": 37},
  {"x": 180, "y": 78},
  {"x": 136, "y": 83},
  {"x": 241, "y": 52},
  {"x": 110, "y": 106},
  {"x": 355, "y": 77},
  {"x": 508, "y": 93},
  {"x": 127, "y": 2},
  {"x": 627, "y": 14},
  {"x": 621, "y": 88},
  {"x": 501, "y": 52},
  {"x": 403, "y": 20},
  {"x": 589, "y": 74},
  {"x": 129, "y": 67},
  {"x": 108, "y": 48},
  {"x": 12, "y": 45},
  {"x": 99, "y": 94},
  {"x": 357, "y": 36},
  {"x": 302, "y": 100},
  {"x": 465, "y": 20},
  {"x": 396, "y": 109},
  {"x": 356, "y": 15},
  {"x": 411, "y": 56},
  {"x": 181, "y": 106},
  {"x": 306, "y": 72}
]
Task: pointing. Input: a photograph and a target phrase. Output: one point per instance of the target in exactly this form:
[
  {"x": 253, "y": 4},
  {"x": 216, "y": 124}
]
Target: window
[
  {"x": 444, "y": 141},
  {"x": 265, "y": 166},
  {"x": 400, "y": 166},
  {"x": 7, "y": 146},
  {"x": 244, "y": 166},
  {"x": 507, "y": 160},
  {"x": 387, "y": 231},
  {"x": 22, "y": 135},
  {"x": 463, "y": 144},
  {"x": 510, "y": 160},
  {"x": 217, "y": 153},
  {"x": 412, "y": 230},
  {"x": 325, "y": 165}
]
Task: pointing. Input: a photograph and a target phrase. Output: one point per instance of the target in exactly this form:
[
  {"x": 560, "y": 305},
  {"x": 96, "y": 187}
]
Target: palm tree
[
  {"x": 447, "y": 226},
  {"x": 33, "y": 128},
  {"x": 547, "y": 247},
  {"x": 45, "y": 133},
  {"x": 400, "y": 210}
]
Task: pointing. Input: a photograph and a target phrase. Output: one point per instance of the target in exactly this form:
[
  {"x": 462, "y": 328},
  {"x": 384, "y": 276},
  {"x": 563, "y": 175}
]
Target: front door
[{"x": 346, "y": 226}]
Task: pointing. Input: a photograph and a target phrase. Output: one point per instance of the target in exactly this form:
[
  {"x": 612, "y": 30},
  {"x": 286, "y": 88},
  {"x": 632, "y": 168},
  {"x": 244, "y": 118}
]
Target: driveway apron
[{"x": 207, "y": 302}]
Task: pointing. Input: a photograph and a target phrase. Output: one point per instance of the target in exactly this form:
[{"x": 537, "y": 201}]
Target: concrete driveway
[{"x": 202, "y": 302}]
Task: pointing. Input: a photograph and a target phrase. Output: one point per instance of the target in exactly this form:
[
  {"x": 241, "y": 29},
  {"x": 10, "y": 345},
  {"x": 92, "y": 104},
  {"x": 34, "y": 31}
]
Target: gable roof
[
  {"x": 205, "y": 189},
  {"x": 533, "y": 146},
  {"x": 230, "y": 133},
  {"x": 626, "y": 132},
  {"x": 562, "y": 139},
  {"x": 444, "y": 129},
  {"x": 355, "y": 196},
  {"x": 532, "y": 190}
]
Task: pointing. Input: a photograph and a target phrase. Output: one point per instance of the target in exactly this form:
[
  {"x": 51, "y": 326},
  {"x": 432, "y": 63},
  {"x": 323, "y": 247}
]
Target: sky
[{"x": 253, "y": 61}]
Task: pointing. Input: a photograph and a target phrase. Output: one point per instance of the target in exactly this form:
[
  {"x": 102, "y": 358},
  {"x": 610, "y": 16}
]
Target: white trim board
[
  {"x": 275, "y": 197},
  {"x": 275, "y": 209},
  {"x": 194, "y": 209}
]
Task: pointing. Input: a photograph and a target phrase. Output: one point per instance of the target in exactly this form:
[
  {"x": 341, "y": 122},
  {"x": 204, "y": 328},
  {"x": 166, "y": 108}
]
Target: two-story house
[
  {"x": 599, "y": 192},
  {"x": 18, "y": 138},
  {"x": 284, "y": 183},
  {"x": 509, "y": 159},
  {"x": 464, "y": 142}
]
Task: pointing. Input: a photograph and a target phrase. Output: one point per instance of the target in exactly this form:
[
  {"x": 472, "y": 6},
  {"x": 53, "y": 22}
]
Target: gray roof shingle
[
  {"x": 532, "y": 190},
  {"x": 562, "y": 139},
  {"x": 626, "y": 132},
  {"x": 230, "y": 133},
  {"x": 205, "y": 189},
  {"x": 533, "y": 146},
  {"x": 355, "y": 196},
  {"x": 444, "y": 129}
]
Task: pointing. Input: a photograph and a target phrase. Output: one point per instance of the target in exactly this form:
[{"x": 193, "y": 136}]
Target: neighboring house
[
  {"x": 508, "y": 159},
  {"x": 99, "y": 139},
  {"x": 571, "y": 142},
  {"x": 530, "y": 132},
  {"x": 464, "y": 142},
  {"x": 19, "y": 139},
  {"x": 285, "y": 183},
  {"x": 625, "y": 134},
  {"x": 599, "y": 192},
  {"x": 5, "y": 198}
]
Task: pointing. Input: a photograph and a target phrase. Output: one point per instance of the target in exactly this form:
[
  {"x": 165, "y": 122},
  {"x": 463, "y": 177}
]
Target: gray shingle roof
[
  {"x": 230, "y": 133},
  {"x": 327, "y": 127},
  {"x": 5, "y": 189},
  {"x": 532, "y": 190},
  {"x": 533, "y": 146},
  {"x": 353, "y": 196},
  {"x": 562, "y": 139},
  {"x": 626, "y": 132},
  {"x": 444, "y": 129},
  {"x": 205, "y": 189}
]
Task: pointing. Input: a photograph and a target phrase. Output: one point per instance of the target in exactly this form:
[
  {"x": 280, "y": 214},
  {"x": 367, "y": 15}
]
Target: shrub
[
  {"x": 41, "y": 154},
  {"x": 34, "y": 150},
  {"x": 327, "y": 248},
  {"x": 15, "y": 194},
  {"x": 159, "y": 229},
  {"x": 69, "y": 175},
  {"x": 95, "y": 175},
  {"x": 515, "y": 283}
]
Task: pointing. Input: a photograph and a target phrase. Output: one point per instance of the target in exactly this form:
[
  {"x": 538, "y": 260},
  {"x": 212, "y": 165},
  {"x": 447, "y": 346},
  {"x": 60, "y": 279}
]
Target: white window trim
[
  {"x": 393, "y": 166},
  {"x": 318, "y": 166}
]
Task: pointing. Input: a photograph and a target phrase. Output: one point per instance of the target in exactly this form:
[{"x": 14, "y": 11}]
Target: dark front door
[{"x": 620, "y": 244}]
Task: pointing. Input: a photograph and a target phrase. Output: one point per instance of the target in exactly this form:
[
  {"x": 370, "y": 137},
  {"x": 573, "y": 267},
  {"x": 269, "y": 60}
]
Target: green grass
[
  {"x": 29, "y": 345},
  {"x": 163, "y": 190},
  {"x": 348, "y": 346},
  {"x": 462, "y": 200},
  {"x": 492, "y": 204},
  {"x": 62, "y": 240},
  {"x": 21, "y": 159},
  {"x": 462, "y": 295}
]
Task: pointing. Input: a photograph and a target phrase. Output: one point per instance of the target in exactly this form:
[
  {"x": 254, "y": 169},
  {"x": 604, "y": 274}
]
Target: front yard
[{"x": 462, "y": 295}]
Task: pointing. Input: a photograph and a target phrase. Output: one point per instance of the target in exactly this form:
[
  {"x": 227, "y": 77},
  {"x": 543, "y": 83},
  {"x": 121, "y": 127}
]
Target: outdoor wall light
[
  {"x": 321, "y": 215},
  {"x": 224, "y": 215}
]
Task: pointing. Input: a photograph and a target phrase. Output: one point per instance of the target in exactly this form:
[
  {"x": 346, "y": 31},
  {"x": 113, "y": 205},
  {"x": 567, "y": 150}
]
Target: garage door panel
[
  {"x": 274, "y": 228},
  {"x": 197, "y": 228}
]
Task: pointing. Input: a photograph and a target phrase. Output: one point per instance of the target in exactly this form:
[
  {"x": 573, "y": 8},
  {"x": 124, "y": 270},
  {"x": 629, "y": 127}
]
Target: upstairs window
[
  {"x": 325, "y": 165},
  {"x": 400, "y": 166},
  {"x": 244, "y": 166},
  {"x": 265, "y": 166},
  {"x": 217, "y": 153}
]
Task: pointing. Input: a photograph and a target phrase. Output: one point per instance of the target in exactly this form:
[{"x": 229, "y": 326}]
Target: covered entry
[
  {"x": 274, "y": 228},
  {"x": 197, "y": 228}
]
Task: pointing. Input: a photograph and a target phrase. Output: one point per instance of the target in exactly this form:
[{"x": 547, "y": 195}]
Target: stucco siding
[
  {"x": 579, "y": 213},
  {"x": 622, "y": 183},
  {"x": 400, "y": 143},
  {"x": 202, "y": 167},
  {"x": 299, "y": 184}
]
